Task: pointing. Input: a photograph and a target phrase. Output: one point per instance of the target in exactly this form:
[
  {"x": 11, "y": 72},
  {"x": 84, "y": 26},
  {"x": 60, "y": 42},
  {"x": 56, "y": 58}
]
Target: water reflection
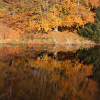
[
  {"x": 92, "y": 56},
  {"x": 29, "y": 74}
]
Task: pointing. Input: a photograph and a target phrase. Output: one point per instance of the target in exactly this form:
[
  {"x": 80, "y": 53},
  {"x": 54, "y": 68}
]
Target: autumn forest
[
  {"x": 49, "y": 49},
  {"x": 43, "y": 16}
]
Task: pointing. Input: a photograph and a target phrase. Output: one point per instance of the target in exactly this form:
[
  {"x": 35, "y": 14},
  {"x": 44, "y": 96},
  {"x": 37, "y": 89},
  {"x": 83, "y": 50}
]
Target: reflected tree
[
  {"x": 47, "y": 79},
  {"x": 91, "y": 56}
]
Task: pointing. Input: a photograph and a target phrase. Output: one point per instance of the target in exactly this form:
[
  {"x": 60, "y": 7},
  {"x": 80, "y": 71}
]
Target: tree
[
  {"x": 45, "y": 15},
  {"x": 65, "y": 13},
  {"x": 92, "y": 31}
]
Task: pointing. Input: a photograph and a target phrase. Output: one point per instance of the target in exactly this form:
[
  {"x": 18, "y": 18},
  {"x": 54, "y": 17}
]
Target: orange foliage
[
  {"x": 62, "y": 76},
  {"x": 37, "y": 15}
]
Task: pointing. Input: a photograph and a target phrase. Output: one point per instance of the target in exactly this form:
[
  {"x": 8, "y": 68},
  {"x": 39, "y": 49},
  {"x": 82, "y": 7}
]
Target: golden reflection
[{"x": 47, "y": 79}]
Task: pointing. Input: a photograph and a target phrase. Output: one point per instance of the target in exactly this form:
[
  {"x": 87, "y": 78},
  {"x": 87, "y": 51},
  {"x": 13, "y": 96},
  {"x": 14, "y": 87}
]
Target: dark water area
[{"x": 49, "y": 72}]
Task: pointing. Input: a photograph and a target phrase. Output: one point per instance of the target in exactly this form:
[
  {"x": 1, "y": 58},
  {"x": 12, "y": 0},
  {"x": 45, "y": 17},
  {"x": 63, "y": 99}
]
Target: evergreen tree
[{"x": 92, "y": 31}]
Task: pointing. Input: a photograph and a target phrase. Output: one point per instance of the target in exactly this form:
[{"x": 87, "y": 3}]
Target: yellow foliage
[
  {"x": 62, "y": 77},
  {"x": 1, "y": 14},
  {"x": 45, "y": 15}
]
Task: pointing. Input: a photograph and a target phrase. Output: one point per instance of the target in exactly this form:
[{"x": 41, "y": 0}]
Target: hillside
[{"x": 9, "y": 35}]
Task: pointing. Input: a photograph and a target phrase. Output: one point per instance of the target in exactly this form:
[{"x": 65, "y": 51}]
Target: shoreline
[
  {"x": 37, "y": 42},
  {"x": 11, "y": 36},
  {"x": 18, "y": 48}
]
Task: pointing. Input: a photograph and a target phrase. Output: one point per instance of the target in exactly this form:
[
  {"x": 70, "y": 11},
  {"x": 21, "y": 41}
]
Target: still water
[{"x": 49, "y": 72}]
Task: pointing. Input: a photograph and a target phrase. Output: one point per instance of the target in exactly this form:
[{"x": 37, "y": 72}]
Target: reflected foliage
[
  {"x": 46, "y": 79},
  {"x": 92, "y": 56}
]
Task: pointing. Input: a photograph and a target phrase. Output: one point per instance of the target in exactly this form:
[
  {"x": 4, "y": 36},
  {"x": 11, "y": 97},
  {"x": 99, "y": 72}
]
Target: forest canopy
[{"x": 45, "y": 15}]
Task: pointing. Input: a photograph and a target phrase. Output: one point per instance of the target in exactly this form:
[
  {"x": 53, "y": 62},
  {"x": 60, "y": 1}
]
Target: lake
[{"x": 49, "y": 72}]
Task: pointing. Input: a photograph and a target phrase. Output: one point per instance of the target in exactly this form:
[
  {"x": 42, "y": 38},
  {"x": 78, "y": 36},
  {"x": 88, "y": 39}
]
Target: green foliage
[
  {"x": 22, "y": 40},
  {"x": 13, "y": 41},
  {"x": 92, "y": 31}
]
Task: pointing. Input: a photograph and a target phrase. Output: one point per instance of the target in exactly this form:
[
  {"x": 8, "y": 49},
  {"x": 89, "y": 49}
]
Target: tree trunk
[{"x": 56, "y": 29}]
